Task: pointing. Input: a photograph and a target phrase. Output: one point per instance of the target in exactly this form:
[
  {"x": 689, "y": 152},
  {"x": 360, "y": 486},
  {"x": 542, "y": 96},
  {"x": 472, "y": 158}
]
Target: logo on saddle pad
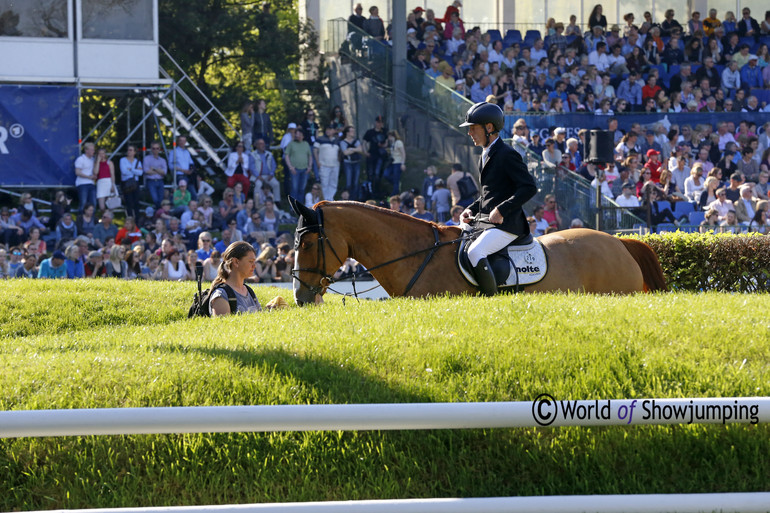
[{"x": 513, "y": 266}]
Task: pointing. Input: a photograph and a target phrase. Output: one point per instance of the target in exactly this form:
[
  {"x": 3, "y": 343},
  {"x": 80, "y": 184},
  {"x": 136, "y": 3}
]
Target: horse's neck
[{"x": 375, "y": 238}]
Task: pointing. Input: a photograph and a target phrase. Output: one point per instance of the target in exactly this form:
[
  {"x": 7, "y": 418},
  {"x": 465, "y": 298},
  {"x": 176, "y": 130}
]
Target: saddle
[{"x": 522, "y": 262}]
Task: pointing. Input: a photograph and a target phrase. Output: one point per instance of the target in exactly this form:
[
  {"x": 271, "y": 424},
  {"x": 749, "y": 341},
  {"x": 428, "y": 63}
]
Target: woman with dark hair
[
  {"x": 579, "y": 45},
  {"x": 238, "y": 263},
  {"x": 693, "y": 52},
  {"x": 650, "y": 52},
  {"x": 659, "y": 204},
  {"x": 758, "y": 223},
  {"x": 337, "y": 120},
  {"x": 597, "y": 18}
]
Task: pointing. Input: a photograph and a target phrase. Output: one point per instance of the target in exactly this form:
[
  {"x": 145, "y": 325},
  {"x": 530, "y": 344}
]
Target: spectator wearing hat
[
  {"x": 653, "y": 164},
  {"x": 441, "y": 201},
  {"x": 558, "y": 39},
  {"x": 613, "y": 38},
  {"x": 627, "y": 197},
  {"x": 53, "y": 267},
  {"x": 560, "y": 138},
  {"x": 751, "y": 74}
]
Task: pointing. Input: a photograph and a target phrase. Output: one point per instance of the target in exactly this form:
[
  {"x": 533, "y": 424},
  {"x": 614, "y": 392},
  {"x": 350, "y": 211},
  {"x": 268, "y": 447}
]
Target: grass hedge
[{"x": 708, "y": 261}]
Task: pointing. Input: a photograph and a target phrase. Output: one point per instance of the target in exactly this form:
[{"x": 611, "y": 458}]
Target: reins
[{"x": 329, "y": 279}]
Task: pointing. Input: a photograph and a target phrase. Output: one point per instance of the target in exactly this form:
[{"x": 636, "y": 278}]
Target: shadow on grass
[{"x": 333, "y": 381}]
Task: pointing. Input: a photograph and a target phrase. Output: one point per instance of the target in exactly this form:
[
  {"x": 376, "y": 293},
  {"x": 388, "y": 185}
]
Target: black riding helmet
[{"x": 483, "y": 113}]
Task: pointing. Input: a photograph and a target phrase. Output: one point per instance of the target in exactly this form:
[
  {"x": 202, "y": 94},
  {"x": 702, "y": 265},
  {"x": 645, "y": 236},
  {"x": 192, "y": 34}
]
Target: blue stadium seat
[
  {"x": 765, "y": 40},
  {"x": 697, "y": 217},
  {"x": 665, "y": 227},
  {"x": 720, "y": 68},
  {"x": 683, "y": 209},
  {"x": 571, "y": 38},
  {"x": 673, "y": 70},
  {"x": 494, "y": 35},
  {"x": 763, "y": 95},
  {"x": 689, "y": 228},
  {"x": 694, "y": 68},
  {"x": 746, "y": 41},
  {"x": 513, "y": 36},
  {"x": 532, "y": 36}
]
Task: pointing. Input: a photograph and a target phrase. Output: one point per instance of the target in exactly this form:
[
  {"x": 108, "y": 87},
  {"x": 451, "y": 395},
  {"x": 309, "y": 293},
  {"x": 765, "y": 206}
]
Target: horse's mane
[{"x": 383, "y": 211}]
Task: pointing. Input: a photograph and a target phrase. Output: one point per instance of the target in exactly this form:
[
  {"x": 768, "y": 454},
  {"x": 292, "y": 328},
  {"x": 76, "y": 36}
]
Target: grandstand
[{"x": 510, "y": 54}]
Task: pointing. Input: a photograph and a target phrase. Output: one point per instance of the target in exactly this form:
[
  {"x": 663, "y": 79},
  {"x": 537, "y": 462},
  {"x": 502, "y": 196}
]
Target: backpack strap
[{"x": 230, "y": 297}]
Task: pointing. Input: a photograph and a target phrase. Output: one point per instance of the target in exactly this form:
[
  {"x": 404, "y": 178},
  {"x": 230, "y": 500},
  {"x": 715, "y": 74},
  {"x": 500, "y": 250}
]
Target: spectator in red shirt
[
  {"x": 551, "y": 212},
  {"x": 653, "y": 164},
  {"x": 651, "y": 89}
]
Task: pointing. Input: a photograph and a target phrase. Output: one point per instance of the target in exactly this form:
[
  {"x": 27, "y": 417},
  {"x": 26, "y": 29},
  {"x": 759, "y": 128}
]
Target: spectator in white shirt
[{"x": 599, "y": 58}]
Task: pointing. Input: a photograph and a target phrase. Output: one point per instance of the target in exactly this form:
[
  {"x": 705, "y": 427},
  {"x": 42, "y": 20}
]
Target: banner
[
  {"x": 38, "y": 135},
  {"x": 575, "y": 122}
]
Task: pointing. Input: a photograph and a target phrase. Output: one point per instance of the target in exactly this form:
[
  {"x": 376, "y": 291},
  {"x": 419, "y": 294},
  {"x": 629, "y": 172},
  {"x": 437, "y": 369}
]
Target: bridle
[{"x": 327, "y": 280}]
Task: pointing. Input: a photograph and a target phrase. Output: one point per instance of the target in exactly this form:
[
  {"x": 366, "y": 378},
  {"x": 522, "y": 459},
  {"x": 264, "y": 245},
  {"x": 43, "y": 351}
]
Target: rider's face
[{"x": 477, "y": 134}]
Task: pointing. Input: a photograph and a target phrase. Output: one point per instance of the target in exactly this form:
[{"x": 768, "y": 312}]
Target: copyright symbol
[{"x": 544, "y": 409}]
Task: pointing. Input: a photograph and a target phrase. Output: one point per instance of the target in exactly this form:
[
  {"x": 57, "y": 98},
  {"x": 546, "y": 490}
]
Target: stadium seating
[
  {"x": 494, "y": 35},
  {"x": 683, "y": 209},
  {"x": 697, "y": 217},
  {"x": 531, "y": 36},
  {"x": 511, "y": 37}
]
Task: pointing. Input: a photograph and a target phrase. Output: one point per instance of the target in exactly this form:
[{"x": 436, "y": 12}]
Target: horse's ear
[{"x": 310, "y": 216}]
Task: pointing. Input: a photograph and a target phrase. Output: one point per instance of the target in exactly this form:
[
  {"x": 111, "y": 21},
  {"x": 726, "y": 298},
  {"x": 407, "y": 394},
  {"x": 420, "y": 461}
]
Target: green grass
[{"x": 91, "y": 344}]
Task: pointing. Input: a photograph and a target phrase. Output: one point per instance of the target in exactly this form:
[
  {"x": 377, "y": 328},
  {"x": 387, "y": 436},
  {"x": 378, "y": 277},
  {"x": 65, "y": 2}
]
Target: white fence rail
[
  {"x": 681, "y": 503},
  {"x": 543, "y": 411}
]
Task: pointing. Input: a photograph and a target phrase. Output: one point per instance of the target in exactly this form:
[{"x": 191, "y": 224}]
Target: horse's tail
[{"x": 649, "y": 264}]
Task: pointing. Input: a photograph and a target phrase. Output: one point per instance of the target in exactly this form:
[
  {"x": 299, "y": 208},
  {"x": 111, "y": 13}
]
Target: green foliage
[
  {"x": 109, "y": 343},
  {"x": 724, "y": 262},
  {"x": 234, "y": 51}
]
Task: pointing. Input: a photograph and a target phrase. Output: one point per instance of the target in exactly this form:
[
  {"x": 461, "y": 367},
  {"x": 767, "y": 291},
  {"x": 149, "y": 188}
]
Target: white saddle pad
[{"x": 530, "y": 263}]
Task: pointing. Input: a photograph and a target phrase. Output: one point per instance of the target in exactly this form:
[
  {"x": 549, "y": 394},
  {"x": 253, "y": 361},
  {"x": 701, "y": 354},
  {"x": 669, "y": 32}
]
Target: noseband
[{"x": 327, "y": 279}]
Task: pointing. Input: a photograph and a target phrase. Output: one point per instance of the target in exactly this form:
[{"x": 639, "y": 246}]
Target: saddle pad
[{"x": 530, "y": 262}]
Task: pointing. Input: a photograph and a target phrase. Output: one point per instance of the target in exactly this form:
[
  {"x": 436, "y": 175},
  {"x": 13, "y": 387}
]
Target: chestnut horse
[{"x": 416, "y": 258}]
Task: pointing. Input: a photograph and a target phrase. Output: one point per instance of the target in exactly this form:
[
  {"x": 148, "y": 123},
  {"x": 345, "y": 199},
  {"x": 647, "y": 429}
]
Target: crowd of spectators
[
  {"x": 724, "y": 170},
  {"x": 653, "y": 66}
]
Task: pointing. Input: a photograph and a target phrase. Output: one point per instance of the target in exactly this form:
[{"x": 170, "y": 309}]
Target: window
[
  {"x": 34, "y": 18},
  {"x": 118, "y": 19}
]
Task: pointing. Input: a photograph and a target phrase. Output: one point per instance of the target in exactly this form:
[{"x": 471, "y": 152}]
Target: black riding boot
[{"x": 485, "y": 277}]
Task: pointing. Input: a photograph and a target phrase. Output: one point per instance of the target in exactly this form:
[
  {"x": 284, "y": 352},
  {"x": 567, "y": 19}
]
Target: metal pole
[{"x": 398, "y": 38}]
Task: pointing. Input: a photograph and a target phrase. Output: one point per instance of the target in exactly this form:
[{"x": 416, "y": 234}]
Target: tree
[{"x": 234, "y": 50}]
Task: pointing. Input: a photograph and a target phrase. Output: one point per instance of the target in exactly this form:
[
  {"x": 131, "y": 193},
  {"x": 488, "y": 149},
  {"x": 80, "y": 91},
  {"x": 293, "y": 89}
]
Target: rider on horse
[{"x": 505, "y": 186}]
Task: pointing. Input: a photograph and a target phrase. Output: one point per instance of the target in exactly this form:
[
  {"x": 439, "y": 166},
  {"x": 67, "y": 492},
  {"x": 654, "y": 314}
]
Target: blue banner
[
  {"x": 575, "y": 122},
  {"x": 38, "y": 135}
]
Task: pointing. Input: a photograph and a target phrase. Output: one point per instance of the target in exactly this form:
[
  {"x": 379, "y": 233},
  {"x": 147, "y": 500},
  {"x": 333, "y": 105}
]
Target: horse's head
[{"x": 316, "y": 256}]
